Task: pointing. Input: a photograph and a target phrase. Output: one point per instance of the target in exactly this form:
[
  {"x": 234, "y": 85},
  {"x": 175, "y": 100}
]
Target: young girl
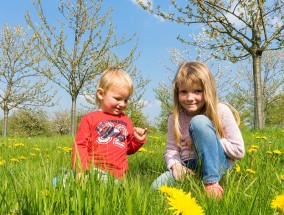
[
  {"x": 203, "y": 134},
  {"x": 106, "y": 136}
]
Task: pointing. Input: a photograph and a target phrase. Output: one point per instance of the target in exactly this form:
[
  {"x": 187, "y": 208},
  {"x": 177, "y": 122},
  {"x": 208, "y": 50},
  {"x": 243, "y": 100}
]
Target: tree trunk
[
  {"x": 5, "y": 123},
  {"x": 259, "y": 122},
  {"x": 73, "y": 117}
]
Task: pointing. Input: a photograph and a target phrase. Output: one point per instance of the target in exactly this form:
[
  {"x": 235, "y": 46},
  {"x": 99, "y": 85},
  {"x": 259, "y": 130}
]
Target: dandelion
[
  {"x": 22, "y": 157},
  {"x": 67, "y": 149},
  {"x": 282, "y": 177},
  {"x": 45, "y": 192},
  {"x": 252, "y": 150},
  {"x": 278, "y": 203},
  {"x": 237, "y": 168},
  {"x": 15, "y": 160},
  {"x": 176, "y": 199},
  {"x": 2, "y": 162},
  {"x": 142, "y": 150},
  {"x": 250, "y": 171},
  {"x": 19, "y": 144},
  {"x": 32, "y": 154},
  {"x": 254, "y": 146},
  {"x": 269, "y": 152},
  {"x": 37, "y": 149},
  {"x": 277, "y": 152}
]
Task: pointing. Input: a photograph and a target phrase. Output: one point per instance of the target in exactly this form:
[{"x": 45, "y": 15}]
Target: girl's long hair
[{"x": 191, "y": 74}]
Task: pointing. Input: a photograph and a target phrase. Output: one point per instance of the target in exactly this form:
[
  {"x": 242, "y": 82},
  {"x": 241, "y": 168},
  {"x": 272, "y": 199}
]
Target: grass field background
[{"x": 28, "y": 165}]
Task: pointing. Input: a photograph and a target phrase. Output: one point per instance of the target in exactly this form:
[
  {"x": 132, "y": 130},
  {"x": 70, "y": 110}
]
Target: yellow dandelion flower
[
  {"x": 277, "y": 152},
  {"x": 282, "y": 177},
  {"x": 163, "y": 143},
  {"x": 269, "y": 152},
  {"x": 2, "y": 162},
  {"x": 22, "y": 157},
  {"x": 278, "y": 203},
  {"x": 37, "y": 149},
  {"x": 176, "y": 199},
  {"x": 45, "y": 192},
  {"x": 237, "y": 168},
  {"x": 142, "y": 150},
  {"x": 32, "y": 154},
  {"x": 254, "y": 146},
  {"x": 252, "y": 150},
  {"x": 264, "y": 137},
  {"x": 250, "y": 171},
  {"x": 15, "y": 160},
  {"x": 19, "y": 144},
  {"x": 67, "y": 149}
]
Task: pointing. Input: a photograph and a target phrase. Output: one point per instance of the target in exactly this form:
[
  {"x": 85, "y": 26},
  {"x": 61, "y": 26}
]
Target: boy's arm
[{"x": 137, "y": 140}]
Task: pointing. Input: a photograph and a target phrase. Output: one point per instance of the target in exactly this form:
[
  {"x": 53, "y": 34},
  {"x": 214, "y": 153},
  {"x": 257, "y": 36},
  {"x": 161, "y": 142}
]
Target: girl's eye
[
  {"x": 199, "y": 91},
  {"x": 182, "y": 91}
]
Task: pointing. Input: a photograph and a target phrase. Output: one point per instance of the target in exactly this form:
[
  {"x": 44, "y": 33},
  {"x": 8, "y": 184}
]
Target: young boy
[{"x": 106, "y": 136}]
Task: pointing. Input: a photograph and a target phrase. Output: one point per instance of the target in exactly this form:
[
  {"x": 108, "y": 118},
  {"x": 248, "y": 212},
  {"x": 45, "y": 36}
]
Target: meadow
[{"x": 28, "y": 165}]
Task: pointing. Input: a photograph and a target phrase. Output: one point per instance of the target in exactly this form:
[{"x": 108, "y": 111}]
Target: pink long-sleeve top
[{"x": 232, "y": 143}]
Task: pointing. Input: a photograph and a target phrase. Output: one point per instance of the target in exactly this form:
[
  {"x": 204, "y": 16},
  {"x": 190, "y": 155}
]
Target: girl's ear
[{"x": 100, "y": 93}]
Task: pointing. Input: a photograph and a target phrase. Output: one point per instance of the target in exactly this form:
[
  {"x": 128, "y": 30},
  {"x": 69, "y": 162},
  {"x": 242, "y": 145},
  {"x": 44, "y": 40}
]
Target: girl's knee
[{"x": 200, "y": 121}]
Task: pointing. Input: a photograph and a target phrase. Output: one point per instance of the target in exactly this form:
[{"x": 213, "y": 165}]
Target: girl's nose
[{"x": 189, "y": 96}]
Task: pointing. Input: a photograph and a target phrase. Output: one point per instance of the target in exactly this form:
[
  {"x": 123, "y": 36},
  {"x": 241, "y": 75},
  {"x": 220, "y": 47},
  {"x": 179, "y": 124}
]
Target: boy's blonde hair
[
  {"x": 114, "y": 77},
  {"x": 191, "y": 74}
]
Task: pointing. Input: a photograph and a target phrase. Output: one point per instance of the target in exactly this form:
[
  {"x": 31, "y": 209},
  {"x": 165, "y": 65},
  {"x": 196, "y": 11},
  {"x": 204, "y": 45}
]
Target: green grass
[{"x": 27, "y": 167}]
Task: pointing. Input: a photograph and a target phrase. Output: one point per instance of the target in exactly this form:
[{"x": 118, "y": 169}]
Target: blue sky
[{"x": 156, "y": 36}]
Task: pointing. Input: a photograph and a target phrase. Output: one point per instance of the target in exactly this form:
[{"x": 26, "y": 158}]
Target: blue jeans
[{"x": 210, "y": 161}]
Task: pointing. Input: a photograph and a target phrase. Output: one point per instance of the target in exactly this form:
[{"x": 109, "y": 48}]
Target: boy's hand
[{"x": 140, "y": 133}]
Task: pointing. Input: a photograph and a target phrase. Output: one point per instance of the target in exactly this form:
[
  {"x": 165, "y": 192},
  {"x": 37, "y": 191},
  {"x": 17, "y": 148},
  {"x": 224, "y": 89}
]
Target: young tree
[
  {"x": 78, "y": 48},
  {"x": 272, "y": 87},
  {"x": 21, "y": 87},
  {"x": 239, "y": 29}
]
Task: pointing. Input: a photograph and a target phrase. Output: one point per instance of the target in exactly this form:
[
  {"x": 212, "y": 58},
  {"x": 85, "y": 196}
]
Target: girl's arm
[
  {"x": 233, "y": 143},
  {"x": 172, "y": 152}
]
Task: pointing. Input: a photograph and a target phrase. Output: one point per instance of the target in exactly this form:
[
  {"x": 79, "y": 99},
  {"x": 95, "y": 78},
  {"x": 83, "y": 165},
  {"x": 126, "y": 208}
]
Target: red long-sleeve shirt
[{"x": 103, "y": 141}]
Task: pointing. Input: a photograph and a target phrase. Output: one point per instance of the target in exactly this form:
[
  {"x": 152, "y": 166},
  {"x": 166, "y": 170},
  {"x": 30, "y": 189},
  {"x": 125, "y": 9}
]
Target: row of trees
[
  {"x": 70, "y": 53},
  {"x": 40, "y": 122}
]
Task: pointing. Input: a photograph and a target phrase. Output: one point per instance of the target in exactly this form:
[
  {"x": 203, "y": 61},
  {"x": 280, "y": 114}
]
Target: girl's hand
[
  {"x": 140, "y": 133},
  {"x": 180, "y": 171}
]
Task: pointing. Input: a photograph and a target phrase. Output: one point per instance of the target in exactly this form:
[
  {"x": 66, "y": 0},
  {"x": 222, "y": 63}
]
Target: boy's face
[{"x": 114, "y": 101}]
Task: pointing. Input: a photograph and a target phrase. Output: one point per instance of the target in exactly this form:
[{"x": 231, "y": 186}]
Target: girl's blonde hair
[
  {"x": 114, "y": 77},
  {"x": 191, "y": 74}
]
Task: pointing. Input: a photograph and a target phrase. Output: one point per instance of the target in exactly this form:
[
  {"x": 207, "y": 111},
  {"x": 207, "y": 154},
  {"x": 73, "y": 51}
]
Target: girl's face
[
  {"x": 114, "y": 101},
  {"x": 191, "y": 98}
]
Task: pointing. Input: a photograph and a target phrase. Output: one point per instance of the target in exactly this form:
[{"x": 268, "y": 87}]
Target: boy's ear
[{"x": 100, "y": 93}]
